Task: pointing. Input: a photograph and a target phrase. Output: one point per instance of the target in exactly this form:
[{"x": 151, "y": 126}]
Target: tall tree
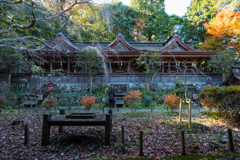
[
  {"x": 157, "y": 21},
  {"x": 201, "y": 11},
  {"x": 22, "y": 22},
  {"x": 223, "y": 31},
  {"x": 119, "y": 16},
  {"x": 9, "y": 61},
  {"x": 91, "y": 62},
  {"x": 224, "y": 61},
  {"x": 151, "y": 63}
]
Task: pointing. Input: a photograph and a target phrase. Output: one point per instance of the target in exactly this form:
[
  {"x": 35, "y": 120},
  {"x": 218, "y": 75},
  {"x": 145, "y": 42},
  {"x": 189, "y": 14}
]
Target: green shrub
[
  {"x": 101, "y": 87},
  {"x": 137, "y": 87},
  {"x": 137, "y": 105},
  {"x": 147, "y": 100},
  {"x": 225, "y": 99},
  {"x": 2, "y": 101}
]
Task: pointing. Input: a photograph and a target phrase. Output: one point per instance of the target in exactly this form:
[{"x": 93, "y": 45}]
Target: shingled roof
[
  {"x": 233, "y": 76},
  {"x": 173, "y": 46}
]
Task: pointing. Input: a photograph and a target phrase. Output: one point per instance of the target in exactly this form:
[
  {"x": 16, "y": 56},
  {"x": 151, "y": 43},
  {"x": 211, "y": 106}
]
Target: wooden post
[
  {"x": 230, "y": 138},
  {"x": 117, "y": 109},
  {"x": 46, "y": 129},
  {"x": 189, "y": 114},
  {"x": 61, "y": 128},
  {"x": 123, "y": 135},
  {"x": 110, "y": 112},
  {"x": 141, "y": 144},
  {"x": 180, "y": 110},
  {"x": 26, "y": 134},
  {"x": 107, "y": 129},
  {"x": 183, "y": 143}
]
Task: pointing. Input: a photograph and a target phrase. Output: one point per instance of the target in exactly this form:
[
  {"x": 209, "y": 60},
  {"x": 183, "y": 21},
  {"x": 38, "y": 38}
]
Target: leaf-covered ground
[{"x": 161, "y": 137}]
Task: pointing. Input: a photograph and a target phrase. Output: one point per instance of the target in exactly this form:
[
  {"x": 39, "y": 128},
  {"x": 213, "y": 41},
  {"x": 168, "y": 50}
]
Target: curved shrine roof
[
  {"x": 235, "y": 73},
  {"x": 174, "y": 45}
]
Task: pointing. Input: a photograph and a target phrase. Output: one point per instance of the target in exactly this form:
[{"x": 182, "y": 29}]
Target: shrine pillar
[
  {"x": 128, "y": 68},
  {"x": 200, "y": 66},
  {"x": 162, "y": 67},
  {"x": 75, "y": 68},
  {"x": 68, "y": 67},
  {"x": 51, "y": 66},
  {"x": 110, "y": 67},
  {"x": 169, "y": 67}
]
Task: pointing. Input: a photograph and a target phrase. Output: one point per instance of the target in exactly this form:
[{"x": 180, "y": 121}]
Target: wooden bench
[
  {"x": 61, "y": 121},
  {"x": 32, "y": 99}
]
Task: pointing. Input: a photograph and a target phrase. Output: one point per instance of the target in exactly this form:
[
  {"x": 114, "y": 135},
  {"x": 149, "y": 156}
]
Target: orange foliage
[
  {"x": 172, "y": 100},
  {"x": 88, "y": 101},
  {"x": 132, "y": 97},
  {"x": 224, "y": 30}
]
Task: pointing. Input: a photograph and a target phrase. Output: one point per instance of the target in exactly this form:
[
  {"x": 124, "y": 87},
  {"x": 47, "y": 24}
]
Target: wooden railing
[{"x": 123, "y": 78}]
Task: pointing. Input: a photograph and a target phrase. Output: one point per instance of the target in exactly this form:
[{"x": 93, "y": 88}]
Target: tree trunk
[
  {"x": 223, "y": 75},
  {"x": 148, "y": 83},
  {"x": 90, "y": 83},
  {"x": 9, "y": 79}
]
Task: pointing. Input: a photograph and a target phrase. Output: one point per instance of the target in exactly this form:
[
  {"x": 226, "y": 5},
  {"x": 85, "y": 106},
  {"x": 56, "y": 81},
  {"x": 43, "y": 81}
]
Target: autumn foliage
[
  {"x": 224, "y": 31},
  {"x": 172, "y": 101},
  {"x": 50, "y": 102},
  {"x": 88, "y": 101},
  {"x": 133, "y": 97}
]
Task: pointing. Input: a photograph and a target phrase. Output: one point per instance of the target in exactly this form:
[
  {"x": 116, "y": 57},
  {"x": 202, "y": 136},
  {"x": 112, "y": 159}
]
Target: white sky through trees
[{"x": 178, "y": 7}]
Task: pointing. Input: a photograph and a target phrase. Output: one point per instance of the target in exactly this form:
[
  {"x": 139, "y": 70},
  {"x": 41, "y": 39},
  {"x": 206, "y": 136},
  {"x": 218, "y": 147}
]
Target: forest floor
[{"x": 161, "y": 136}]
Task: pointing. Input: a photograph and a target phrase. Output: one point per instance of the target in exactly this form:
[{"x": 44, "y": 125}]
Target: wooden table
[{"x": 61, "y": 120}]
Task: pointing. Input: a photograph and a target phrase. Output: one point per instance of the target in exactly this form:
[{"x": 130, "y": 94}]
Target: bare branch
[
  {"x": 60, "y": 13},
  {"x": 24, "y": 39},
  {"x": 34, "y": 20},
  {"x": 16, "y": 2},
  {"x": 32, "y": 23}
]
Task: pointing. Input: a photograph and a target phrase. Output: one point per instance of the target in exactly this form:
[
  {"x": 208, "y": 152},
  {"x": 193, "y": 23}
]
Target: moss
[{"x": 187, "y": 157}]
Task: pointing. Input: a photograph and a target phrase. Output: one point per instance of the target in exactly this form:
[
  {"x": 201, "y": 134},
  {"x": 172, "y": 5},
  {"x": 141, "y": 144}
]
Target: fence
[
  {"x": 183, "y": 143},
  {"x": 124, "y": 78}
]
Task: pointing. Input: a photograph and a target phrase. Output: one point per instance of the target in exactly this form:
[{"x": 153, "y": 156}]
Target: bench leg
[
  {"x": 108, "y": 129},
  {"x": 46, "y": 129},
  {"x": 61, "y": 128}
]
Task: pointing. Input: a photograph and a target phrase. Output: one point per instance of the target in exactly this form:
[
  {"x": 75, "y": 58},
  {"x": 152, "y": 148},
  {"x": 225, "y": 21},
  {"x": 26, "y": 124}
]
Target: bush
[
  {"x": 225, "y": 99},
  {"x": 137, "y": 87},
  {"x": 88, "y": 101},
  {"x": 50, "y": 102},
  {"x": 101, "y": 87},
  {"x": 147, "y": 100},
  {"x": 132, "y": 97},
  {"x": 172, "y": 101},
  {"x": 2, "y": 101}
]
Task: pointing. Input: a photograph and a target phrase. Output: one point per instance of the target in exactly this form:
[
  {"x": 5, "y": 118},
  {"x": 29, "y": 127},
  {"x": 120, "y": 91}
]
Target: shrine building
[{"x": 121, "y": 61}]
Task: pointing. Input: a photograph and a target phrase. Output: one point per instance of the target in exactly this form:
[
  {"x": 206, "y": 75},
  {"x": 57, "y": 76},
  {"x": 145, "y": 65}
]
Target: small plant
[
  {"x": 172, "y": 101},
  {"x": 50, "y": 102},
  {"x": 132, "y": 97},
  {"x": 2, "y": 101},
  {"x": 147, "y": 100},
  {"x": 88, "y": 101}
]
